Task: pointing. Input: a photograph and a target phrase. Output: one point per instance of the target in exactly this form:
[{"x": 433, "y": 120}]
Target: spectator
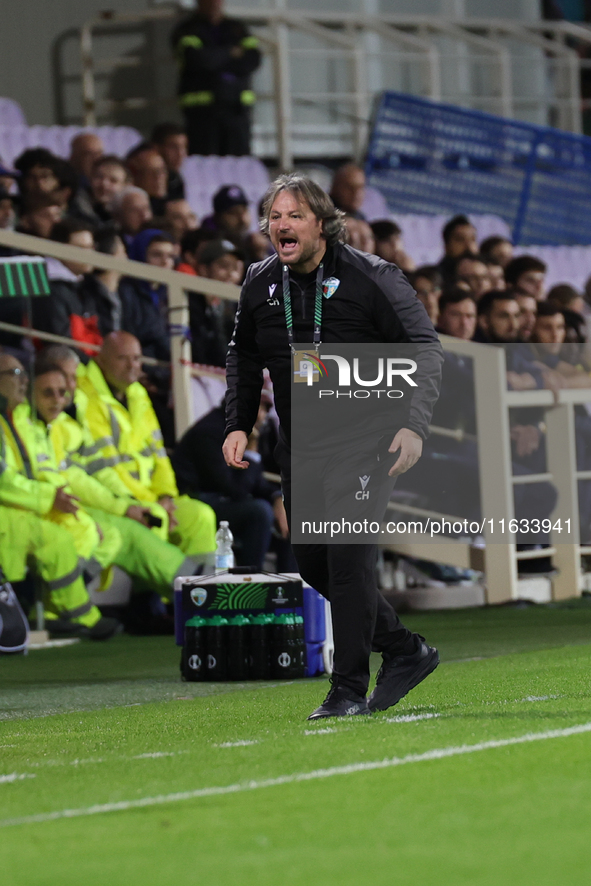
[
  {"x": 179, "y": 218},
  {"x": 131, "y": 210},
  {"x": 7, "y": 177},
  {"x": 145, "y": 304},
  {"x": 148, "y": 171},
  {"x": 549, "y": 328},
  {"x": 129, "y": 439},
  {"x": 457, "y": 314},
  {"x": 496, "y": 273},
  {"x": 70, "y": 310},
  {"x": 85, "y": 149},
  {"x": 459, "y": 237},
  {"x": 388, "y": 245},
  {"x": 498, "y": 318},
  {"x": 497, "y": 249},
  {"x": 93, "y": 204},
  {"x": 244, "y": 498},
  {"x": 42, "y": 174},
  {"x": 528, "y": 274},
  {"x": 216, "y": 56},
  {"x": 191, "y": 243},
  {"x": 105, "y": 284},
  {"x": 40, "y": 215},
  {"x": 566, "y": 296},
  {"x": 528, "y": 307},
  {"x": 171, "y": 141},
  {"x": 212, "y": 319},
  {"x": 473, "y": 271},
  {"x": 348, "y": 190},
  {"x": 359, "y": 234},
  {"x": 7, "y": 213},
  {"x": 427, "y": 283},
  {"x": 231, "y": 215}
]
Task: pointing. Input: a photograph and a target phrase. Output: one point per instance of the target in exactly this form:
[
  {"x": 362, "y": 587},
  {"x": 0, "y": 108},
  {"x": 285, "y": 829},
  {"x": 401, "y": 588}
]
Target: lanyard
[{"x": 317, "y": 307}]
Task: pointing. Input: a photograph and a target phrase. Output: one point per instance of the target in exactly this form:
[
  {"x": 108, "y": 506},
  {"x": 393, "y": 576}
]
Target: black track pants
[{"x": 346, "y": 575}]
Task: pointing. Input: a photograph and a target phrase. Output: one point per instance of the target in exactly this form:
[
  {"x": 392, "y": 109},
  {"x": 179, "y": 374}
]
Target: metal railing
[
  {"x": 178, "y": 285},
  {"x": 336, "y": 63},
  {"x": 492, "y": 403}
]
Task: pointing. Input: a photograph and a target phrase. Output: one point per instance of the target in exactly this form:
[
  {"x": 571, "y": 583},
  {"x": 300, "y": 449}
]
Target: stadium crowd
[{"x": 85, "y": 447}]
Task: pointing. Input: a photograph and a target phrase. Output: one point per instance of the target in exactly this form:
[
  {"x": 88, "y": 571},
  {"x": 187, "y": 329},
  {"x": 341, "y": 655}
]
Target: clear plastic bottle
[{"x": 224, "y": 555}]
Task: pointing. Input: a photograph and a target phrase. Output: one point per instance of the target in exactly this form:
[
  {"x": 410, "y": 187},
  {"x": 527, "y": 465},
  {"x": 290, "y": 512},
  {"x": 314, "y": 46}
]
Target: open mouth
[{"x": 288, "y": 244}]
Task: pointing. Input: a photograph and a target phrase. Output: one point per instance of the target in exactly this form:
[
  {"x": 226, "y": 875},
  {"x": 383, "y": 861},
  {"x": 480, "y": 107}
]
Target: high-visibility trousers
[
  {"x": 27, "y": 539},
  {"x": 197, "y": 526},
  {"x": 87, "y": 540},
  {"x": 143, "y": 555}
]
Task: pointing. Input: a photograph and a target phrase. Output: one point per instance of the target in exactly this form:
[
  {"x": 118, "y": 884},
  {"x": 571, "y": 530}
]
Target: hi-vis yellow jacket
[
  {"x": 127, "y": 439},
  {"x": 20, "y": 483},
  {"x": 70, "y": 442}
]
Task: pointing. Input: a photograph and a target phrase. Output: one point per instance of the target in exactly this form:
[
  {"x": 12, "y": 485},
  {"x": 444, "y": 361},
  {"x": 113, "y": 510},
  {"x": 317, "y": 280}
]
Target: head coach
[{"x": 281, "y": 303}]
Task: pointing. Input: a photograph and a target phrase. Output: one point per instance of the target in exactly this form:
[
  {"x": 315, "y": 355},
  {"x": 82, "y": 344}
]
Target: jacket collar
[{"x": 329, "y": 259}]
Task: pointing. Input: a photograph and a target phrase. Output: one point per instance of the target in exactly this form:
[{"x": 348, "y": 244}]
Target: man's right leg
[
  {"x": 144, "y": 555},
  {"x": 25, "y": 536}
]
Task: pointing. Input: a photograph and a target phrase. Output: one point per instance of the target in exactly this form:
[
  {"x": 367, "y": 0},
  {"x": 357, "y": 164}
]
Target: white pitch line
[
  {"x": 14, "y": 776},
  {"x": 295, "y": 778},
  {"x": 410, "y": 718},
  {"x": 242, "y": 743}
]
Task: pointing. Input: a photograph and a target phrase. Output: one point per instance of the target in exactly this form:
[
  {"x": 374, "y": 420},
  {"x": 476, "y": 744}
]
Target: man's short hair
[
  {"x": 548, "y": 309},
  {"x": 563, "y": 294},
  {"x": 384, "y": 229},
  {"x": 523, "y": 265},
  {"x": 63, "y": 230},
  {"x": 485, "y": 304},
  {"x": 110, "y": 160},
  {"x": 43, "y": 366},
  {"x": 487, "y": 246},
  {"x": 117, "y": 201},
  {"x": 304, "y": 189},
  {"x": 427, "y": 272},
  {"x": 56, "y": 353},
  {"x": 454, "y": 297},
  {"x": 192, "y": 240},
  {"x": 458, "y": 221},
  {"x": 162, "y": 131}
]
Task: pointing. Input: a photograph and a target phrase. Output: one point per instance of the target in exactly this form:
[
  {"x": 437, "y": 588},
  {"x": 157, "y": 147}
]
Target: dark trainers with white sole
[
  {"x": 341, "y": 702},
  {"x": 401, "y": 673}
]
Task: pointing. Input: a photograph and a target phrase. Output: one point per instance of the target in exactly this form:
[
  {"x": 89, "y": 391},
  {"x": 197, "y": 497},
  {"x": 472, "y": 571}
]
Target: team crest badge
[
  {"x": 198, "y": 596},
  {"x": 330, "y": 286}
]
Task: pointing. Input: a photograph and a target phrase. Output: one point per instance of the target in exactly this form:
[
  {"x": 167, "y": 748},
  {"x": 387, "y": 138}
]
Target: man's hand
[
  {"x": 234, "y": 447},
  {"x": 410, "y": 446},
  {"x": 167, "y": 502},
  {"x": 138, "y": 513},
  {"x": 526, "y": 439},
  {"x": 281, "y": 517},
  {"x": 65, "y": 502}
]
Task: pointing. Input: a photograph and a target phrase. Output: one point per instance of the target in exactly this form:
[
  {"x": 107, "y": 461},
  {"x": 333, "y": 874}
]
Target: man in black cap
[
  {"x": 231, "y": 215},
  {"x": 216, "y": 57}
]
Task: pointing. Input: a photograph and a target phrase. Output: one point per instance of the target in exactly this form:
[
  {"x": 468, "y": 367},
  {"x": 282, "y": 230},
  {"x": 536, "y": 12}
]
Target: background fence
[{"x": 427, "y": 157}]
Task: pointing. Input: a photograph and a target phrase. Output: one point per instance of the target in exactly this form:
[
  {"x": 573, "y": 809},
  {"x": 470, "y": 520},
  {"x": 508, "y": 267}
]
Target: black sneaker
[
  {"x": 400, "y": 674},
  {"x": 103, "y": 629},
  {"x": 341, "y": 702}
]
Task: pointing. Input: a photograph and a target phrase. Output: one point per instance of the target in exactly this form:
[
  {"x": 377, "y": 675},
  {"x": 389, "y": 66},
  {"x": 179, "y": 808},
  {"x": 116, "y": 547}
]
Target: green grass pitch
[{"x": 114, "y": 772}]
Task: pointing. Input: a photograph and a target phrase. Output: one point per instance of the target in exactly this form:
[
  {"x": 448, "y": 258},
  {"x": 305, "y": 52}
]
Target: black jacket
[
  {"x": 206, "y": 62},
  {"x": 143, "y": 319},
  {"x": 374, "y": 303},
  {"x": 199, "y": 465}
]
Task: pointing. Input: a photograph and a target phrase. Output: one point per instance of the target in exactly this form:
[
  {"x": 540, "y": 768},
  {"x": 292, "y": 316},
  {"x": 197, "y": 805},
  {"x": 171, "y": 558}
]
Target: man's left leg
[{"x": 195, "y": 533}]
